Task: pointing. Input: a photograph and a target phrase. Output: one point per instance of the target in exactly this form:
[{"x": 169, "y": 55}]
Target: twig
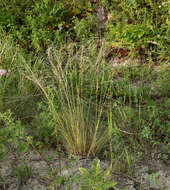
[{"x": 129, "y": 133}]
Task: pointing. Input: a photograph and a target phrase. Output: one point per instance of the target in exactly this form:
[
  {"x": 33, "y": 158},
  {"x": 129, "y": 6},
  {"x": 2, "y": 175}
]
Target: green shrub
[
  {"x": 42, "y": 126},
  {"x": 11, "y": 133},
  {"x": 35, "y": 25},
  {"x": 140, "y": 25}
]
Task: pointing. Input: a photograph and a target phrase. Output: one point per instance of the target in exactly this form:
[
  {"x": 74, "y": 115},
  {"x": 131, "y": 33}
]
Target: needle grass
[{"x": 74, "y": 88}]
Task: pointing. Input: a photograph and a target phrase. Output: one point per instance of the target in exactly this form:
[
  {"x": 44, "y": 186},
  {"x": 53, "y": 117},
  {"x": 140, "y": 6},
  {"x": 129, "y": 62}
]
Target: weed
[
  {"x": 155, "y": 181},
  {"x": 23, "y": 173},
  {"x": 10, "y": 132},
  {"x": 95, "y": 179}
]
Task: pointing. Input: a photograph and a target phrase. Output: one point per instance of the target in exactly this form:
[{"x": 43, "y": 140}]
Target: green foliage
[
  {"x": 155, "y": 177},
  {"x": 93, "y": 86},
  {"x": 61, "y": 88},
  {"x": 77, "y": 119},
  {"x": 36, "y": 24},
  {"x": 23, "y": 173},
  {"x": 140, "y": 25},
  {"x": 17, "y": 94},
  {"x": 11, "y": 133},
  {"x": 85, "y": 27},
  {"x": 95, "y": 179},
  {"x": 43, "y": 126}
]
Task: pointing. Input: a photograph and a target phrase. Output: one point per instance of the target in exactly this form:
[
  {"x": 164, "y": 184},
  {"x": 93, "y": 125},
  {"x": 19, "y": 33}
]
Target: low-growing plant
[
  {"x": 10, "y": 133},
  {"x": 155, "y": 181},
  {"x": 85, "y": 28},
  {"x": 23, "y": 173},
  {"x": 95, "y": 178},
  {"x": 141, "y": 26},
  {"x": 42, "y": 126}
]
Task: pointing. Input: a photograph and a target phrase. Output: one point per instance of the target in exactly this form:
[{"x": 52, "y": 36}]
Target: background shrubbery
[{"x": 142, "y": 26}]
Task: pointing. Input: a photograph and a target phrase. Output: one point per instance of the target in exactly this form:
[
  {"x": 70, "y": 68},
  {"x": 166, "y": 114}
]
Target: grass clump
[{"x": 75, "y": 102}]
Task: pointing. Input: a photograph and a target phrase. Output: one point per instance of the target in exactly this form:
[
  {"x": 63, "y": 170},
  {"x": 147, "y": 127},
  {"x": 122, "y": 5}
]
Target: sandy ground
[{"x": 148, "y": 175}]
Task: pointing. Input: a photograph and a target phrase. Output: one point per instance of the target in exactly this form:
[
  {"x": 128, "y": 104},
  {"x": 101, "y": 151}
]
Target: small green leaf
[{"x": 84, "y": 171}]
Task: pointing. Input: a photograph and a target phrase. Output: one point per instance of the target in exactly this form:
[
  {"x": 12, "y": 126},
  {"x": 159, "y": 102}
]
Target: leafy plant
[
  {"x": 140, "y": 25},
  {"x": 95, "y": 179},
  {"x": 10, "y": 133},
  {"x": 43, "y": 126},
  {"x": 85, "y": 27},
  {"x": 34, "y": 25}
]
